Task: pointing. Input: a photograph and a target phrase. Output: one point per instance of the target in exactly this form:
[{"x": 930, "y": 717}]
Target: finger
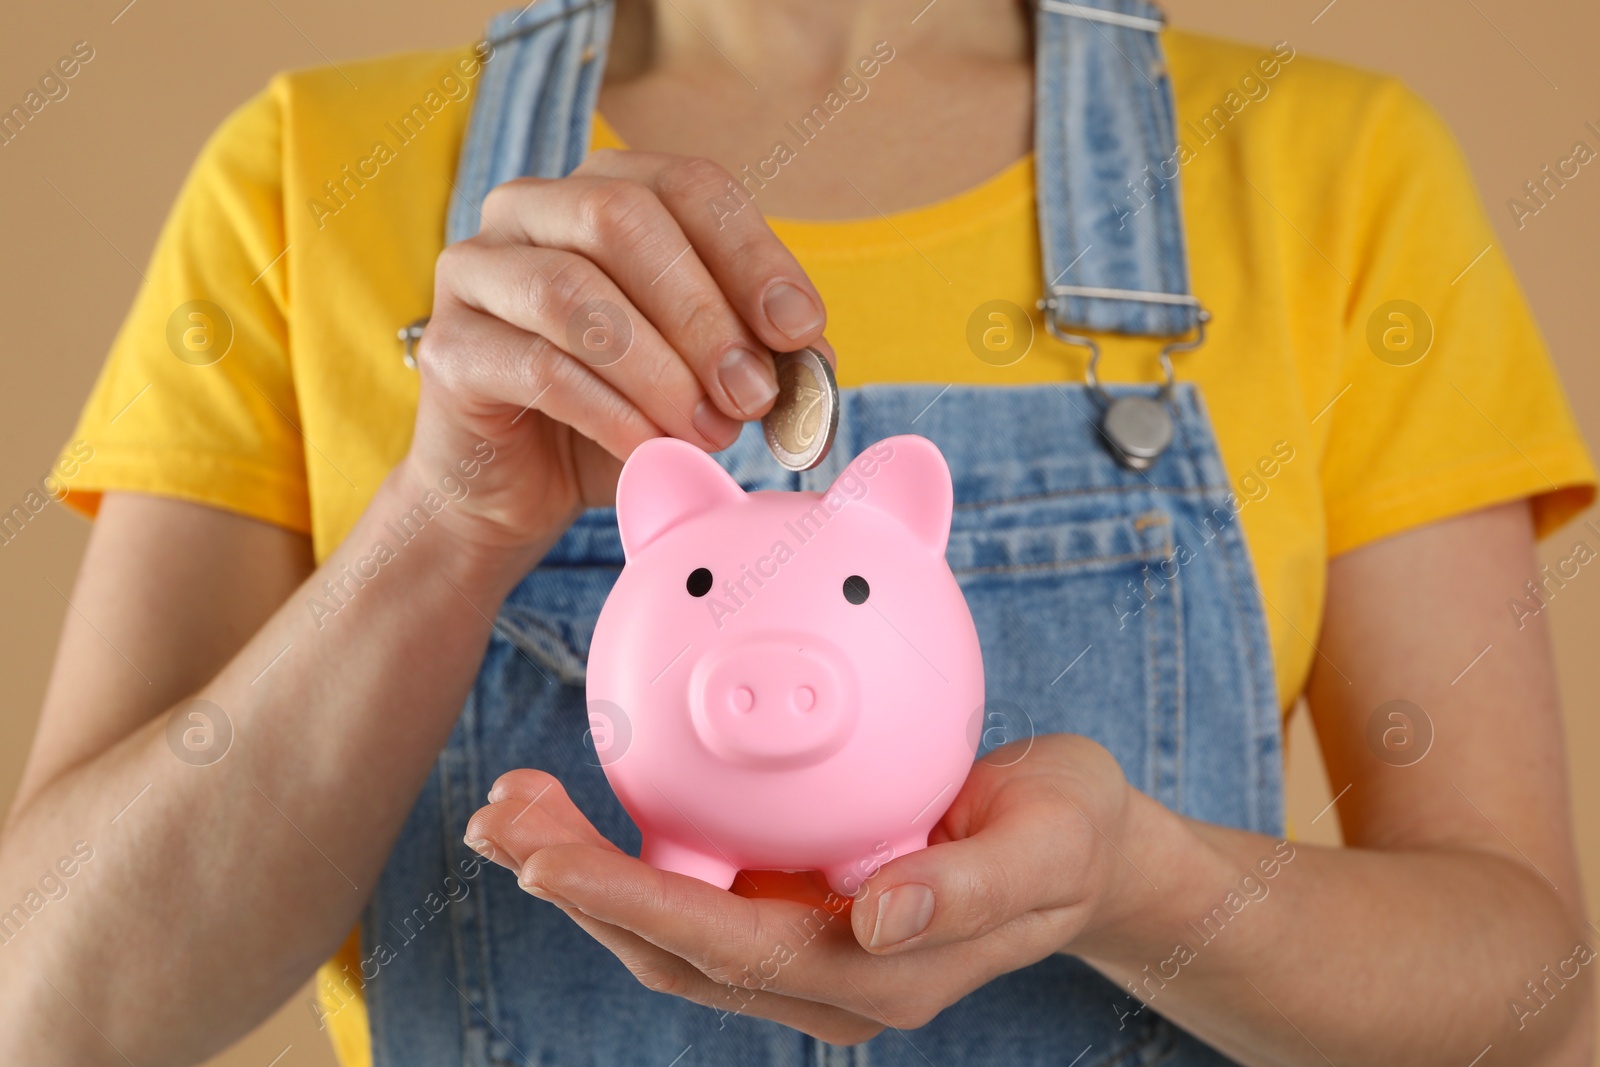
[
  {"x": 509, "y": 832},
  {"x": 800, "y": 952},
  {"x": 761, "y": 277},
  {"x": 570, "y": 302},
  {"x": 476, "y": 355},
  {"x": 786, "y": 949},
  {"x": 524, "y": 782},
  {"x": 529, "y": 810},
  {"x": 662, "y": 972},
  {"x": 721, "y": 934},
  {"x": 1026, "y": 855},
  {"x": 821, "y": 345},
  {"x": 680, "y": 914},
  {"x": 622, "y": 227},
  {"x": 528, "y": 787}
]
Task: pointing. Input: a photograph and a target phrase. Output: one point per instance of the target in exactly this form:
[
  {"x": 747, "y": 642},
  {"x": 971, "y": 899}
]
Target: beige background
[{"x": 86, "y": 186}]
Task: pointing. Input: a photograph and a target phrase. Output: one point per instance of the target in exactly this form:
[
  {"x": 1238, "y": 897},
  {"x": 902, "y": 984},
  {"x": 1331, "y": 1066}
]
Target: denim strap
[
  {"x": 535, "y": 102},
  {"x": 1110, "y": 216}
]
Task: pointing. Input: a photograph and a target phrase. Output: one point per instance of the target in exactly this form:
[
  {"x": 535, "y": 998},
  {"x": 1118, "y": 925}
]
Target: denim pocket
[
  {"x": 1080, "y": 630},
  {"x": 549, "y": 616}
]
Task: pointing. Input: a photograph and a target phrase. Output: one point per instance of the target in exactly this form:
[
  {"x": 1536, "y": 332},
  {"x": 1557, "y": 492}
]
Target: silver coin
[
  {"x": 800, "y": 427},
  {"x": 1138, "y": 429}
]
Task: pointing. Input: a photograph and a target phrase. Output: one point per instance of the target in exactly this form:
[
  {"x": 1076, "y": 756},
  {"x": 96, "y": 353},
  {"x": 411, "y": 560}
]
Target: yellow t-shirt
[{"x": 1313, "y": 196}]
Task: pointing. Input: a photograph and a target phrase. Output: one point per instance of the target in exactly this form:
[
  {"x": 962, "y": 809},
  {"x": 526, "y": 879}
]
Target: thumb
[{"x": 1029, "y": 858}]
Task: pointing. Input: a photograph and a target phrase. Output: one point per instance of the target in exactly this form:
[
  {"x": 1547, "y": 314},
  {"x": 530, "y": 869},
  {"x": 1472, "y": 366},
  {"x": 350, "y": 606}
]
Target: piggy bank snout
[{"x": 773, "y": 701}]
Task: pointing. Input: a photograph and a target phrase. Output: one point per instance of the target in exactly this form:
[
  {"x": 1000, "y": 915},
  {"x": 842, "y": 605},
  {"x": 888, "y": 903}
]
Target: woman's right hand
[{"x": 638, "y": 297}]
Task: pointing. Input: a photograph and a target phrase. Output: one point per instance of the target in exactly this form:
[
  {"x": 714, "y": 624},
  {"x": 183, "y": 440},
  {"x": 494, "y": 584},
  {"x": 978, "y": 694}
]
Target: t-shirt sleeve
[
  {"x": 1448, "y": 399},
  {"x": 196, "y": 399}
]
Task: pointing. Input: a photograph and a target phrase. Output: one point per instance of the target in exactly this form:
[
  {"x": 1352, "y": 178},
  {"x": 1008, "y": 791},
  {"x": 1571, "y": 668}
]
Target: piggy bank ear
[
  {"x": 664, "y": 482},
  {"x": 908, "y": 478}
]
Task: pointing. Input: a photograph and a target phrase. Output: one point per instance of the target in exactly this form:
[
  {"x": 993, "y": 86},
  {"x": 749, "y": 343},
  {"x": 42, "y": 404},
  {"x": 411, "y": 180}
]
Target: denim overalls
[{"x": 1113, "y": 603}]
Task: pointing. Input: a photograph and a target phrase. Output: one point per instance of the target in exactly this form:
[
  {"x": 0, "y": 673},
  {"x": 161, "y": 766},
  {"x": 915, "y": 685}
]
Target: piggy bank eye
[
  {"x": 699, "y": 583},
  {"x": 856, "y": 589}
]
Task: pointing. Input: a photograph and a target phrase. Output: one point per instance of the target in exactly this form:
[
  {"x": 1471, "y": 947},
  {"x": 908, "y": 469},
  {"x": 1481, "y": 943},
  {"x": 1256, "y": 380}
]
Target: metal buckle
[
  {"x": 1114, "y": 18},
  {"x": 1091, "y": 376},
  {"x": 409, "y": 336},
  {"x": 1135, "y": 428}
]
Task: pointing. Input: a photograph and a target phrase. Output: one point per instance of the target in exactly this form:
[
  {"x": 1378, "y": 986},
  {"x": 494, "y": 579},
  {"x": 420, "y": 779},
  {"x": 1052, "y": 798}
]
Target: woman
[{"x": 351, "y": 597}]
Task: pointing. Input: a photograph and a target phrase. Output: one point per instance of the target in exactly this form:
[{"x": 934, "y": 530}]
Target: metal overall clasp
[{"x": 1136, "y": 429}]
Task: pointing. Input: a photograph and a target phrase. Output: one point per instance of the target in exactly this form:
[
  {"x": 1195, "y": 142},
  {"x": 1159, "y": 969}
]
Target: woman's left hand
[{"x": 1026, "y": 863}]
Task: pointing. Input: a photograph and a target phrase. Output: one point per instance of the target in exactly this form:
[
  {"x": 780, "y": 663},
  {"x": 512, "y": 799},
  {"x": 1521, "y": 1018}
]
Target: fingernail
[
  {"x": 903, "y": 912},
  {"x": 713, "y": 425},
  {"x": 535, "y": 889},
  {"x": 748, "y": 379},
  {"x": 498, "y": 792},
  {"x": 481, "y": 847},
  {"x": 794, "y": 313}
]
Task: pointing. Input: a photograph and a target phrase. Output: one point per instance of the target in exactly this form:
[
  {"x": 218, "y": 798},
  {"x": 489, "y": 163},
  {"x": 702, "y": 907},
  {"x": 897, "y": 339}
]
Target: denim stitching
[
  {"x": 1059, "y": 565},
  {"x": 1054, "y": 494}
]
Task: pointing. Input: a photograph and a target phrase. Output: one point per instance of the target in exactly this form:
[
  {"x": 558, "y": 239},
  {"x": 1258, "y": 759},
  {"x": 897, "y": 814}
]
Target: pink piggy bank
[{"x": 785, "y": 681}]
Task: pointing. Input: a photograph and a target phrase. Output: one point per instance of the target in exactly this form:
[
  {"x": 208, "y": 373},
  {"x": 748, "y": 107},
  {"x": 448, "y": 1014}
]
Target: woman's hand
[
  {"x": 1308, "y": 962},
  {"x": 1024, "y": 863},
  {"x": 590, "y": 314}
]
